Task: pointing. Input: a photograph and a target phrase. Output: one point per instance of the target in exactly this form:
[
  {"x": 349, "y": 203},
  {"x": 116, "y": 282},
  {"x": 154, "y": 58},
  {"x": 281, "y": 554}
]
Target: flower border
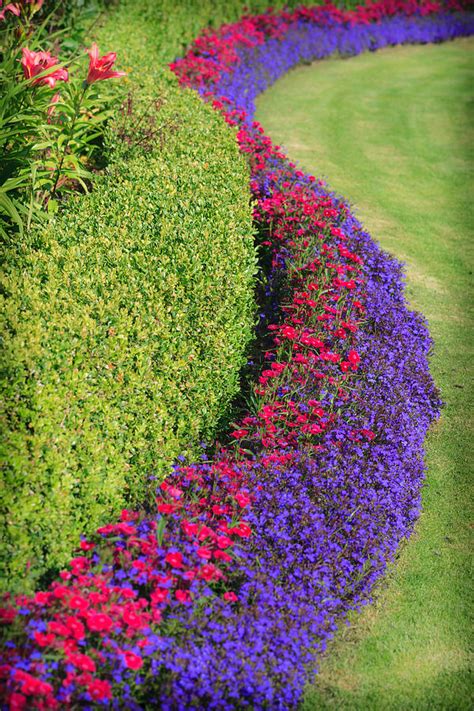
[{"x": 229, "y": 593}]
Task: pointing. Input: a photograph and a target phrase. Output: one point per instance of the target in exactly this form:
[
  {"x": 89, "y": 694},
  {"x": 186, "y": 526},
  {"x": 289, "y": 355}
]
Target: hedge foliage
[{"x": 126, "y": 320}]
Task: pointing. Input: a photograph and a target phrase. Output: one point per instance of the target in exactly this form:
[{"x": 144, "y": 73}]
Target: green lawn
[{"x": 393, "y": 132}]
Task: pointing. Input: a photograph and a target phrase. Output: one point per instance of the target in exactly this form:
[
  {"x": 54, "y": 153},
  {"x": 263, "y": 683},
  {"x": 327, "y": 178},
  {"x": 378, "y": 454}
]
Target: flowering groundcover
[{"x": 227, "y": 593}]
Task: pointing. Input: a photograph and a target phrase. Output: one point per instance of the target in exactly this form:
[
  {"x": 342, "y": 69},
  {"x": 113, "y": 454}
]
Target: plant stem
[{"x": 66, "y": 145}]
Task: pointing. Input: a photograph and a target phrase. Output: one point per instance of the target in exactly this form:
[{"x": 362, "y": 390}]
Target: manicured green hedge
[{"x": 125, "y": 321}]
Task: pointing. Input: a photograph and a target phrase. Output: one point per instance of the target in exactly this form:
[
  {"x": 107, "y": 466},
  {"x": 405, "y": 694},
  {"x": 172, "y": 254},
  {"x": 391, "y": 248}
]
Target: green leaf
[
  {"x": 160, "y": 530},
  {"x": 53, "y": 206},
  {"x": 8, "y": 207}
]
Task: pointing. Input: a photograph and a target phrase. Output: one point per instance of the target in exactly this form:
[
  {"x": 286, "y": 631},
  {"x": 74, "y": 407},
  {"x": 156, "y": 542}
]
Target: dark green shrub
[{"x": 125, "y": 322}]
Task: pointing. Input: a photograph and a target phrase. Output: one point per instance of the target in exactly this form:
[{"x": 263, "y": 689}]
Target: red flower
[
  {"x": 30, "y": 686},
  {"x": 17, "y": 701},
  {"x": 205, "y": 532},
  {"x": 131, "y": 619},
  {"x": 132, "y": 661},
  {"x": 98, "y": 622},
  {"x": 183, "y": 595},
  {"x": 205, "y": 553},
  {"x": 82, "y": 662},
  {"x": 35, "y": 63},
  {"x": 76, "y": 602},
  {"x": 230, "y": 597},
  {"x": 75, "y": 627},
  {"x": 101, "y": 67},
  {"x": 79, "y": 565},
  {"x": 209, "y": 572},
  {"x": 166, "y": 508},
  {"x": 242, "y": 530},
  {"x": 7, "y": 615},
  {"x": 189, "y": 528},
  {"x": 58, "y": 628},
  {"x": 353, "y": 357},
  {"x": 173, "y": 491},
  {"x": 239, "y": 434},
  {"x": 242, "y": 499},
  {"x": 69, "y": 645},
  {"x": 100, "y": 690},
  {"x": 159, "y": 596},
  {"x": 175, "y": 560},
  {"x": 42, "y": 598},
  {"x": 60, "y": 591},
  {"x": 44, "y": 640},
  {"x": 224, "y": 541}
]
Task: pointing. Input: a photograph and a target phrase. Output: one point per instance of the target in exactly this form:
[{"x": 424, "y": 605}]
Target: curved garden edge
[
  {"x": 410, "y": 648},
  {"x": 313, "y": 468}
]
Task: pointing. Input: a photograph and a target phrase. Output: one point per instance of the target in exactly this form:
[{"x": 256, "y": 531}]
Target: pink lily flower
[
  {"x": 35, "y": 63},
  {"x": 14, "y": 9},
  {"x": 101, "y": 67}
]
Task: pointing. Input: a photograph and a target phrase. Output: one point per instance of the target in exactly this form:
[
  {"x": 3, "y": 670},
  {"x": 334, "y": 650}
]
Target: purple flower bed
[
  {"x": 260, "y": 66},
  {"x": 226, "y": 596}
]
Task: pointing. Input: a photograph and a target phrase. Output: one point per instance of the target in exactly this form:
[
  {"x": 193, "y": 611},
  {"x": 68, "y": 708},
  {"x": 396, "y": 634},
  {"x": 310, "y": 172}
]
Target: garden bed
[{"x": 228, "y": 594}]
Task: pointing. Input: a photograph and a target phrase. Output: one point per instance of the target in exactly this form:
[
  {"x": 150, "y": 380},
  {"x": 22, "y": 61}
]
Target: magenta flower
[
  {"x": 101, "y": 67},
  {"x": 35, "y": 63},
  {"x": 11, "y": 7}
]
